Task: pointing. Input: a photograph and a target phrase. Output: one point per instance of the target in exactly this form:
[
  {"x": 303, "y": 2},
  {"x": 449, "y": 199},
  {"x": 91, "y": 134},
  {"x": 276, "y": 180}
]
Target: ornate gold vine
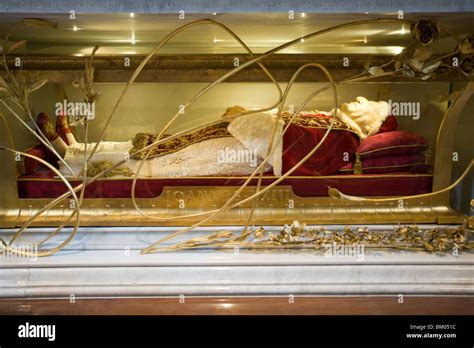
[{"x": 299, "y": 236}]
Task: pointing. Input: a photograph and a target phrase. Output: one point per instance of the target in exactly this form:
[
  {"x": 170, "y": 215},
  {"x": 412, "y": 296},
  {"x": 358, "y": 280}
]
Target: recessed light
[{"x": 132, "y": 14}]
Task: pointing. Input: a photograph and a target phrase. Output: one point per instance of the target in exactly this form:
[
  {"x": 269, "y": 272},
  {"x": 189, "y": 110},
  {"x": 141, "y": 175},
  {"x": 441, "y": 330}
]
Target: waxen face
[
  {"x": 365, "y": 112},
  {"x": 359, "y": 104}
]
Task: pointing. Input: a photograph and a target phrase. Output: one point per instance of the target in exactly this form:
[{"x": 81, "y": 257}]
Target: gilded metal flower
[
  {"x": 466, "y": 46},
  {"x": 338, "y": 238},
  {"x": 470, "y": 223},
  {"x": 467, "y": 65},
  {"x": 459, "y": 236},
  {"x": 428, "y": 246},
  {"x": 259, "y": 233},
  {"x": 298, "y": 235},
  {"x": 425, "y": 31},
  {"x": 297, "y": 228},
  {"x": 440, "y": 244}
]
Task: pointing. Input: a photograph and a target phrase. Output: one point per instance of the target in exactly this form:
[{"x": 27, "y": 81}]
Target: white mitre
[{"x": 363, "y": 115}]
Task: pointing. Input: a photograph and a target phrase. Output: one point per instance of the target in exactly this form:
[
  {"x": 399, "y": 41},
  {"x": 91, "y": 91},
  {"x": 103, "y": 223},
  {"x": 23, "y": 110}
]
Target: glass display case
[{"x": 303, "y": 134}]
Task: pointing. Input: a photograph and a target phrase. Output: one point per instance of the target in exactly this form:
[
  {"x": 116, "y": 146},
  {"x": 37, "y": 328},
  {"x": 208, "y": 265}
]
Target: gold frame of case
[{"x": 272, "y": 209}]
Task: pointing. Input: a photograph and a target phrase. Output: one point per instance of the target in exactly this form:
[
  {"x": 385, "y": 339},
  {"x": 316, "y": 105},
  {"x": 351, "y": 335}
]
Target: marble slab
[{"x": 107, "y": 262}]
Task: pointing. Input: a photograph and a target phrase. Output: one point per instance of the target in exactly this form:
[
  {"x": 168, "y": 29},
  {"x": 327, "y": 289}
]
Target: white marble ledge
[
  {"x": 120, "y": 246},
  {"x": 234, "y": 280},
  {"x": 133, "y": 258},
  {"x": 107, "y": 262}
]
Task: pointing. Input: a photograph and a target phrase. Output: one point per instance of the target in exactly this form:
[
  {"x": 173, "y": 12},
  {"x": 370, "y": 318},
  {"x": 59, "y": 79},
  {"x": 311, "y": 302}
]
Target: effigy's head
[{"x": 367, "y": 114}]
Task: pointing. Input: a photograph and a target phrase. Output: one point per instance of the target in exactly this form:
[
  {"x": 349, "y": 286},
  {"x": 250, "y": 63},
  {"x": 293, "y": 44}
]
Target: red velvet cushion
[
  {"x": 414, "y": 163},
  {"x": 339, "y": 147},
  {"x": 389, "y": 125},
  {"x": 392, "y": 144}
]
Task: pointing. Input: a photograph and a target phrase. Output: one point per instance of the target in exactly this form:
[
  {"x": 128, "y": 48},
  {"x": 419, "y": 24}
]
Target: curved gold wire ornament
[
  {"x": 249, "y": 178},
  {"x": 21, "y": 96},
  {"x": 336, "y": 194},
  {"x": 39, "y": 136},
  {"x": 300, "y": 237},
  {"x": 149, "y": 148},
  {"x": 223, "y": 78},
  {"x": 153, "y": 52},
  {"x": 7, "y": 246},
  {"x": 8, "y": 130},
  {"x": 270, "y": 152},
  {"x": 229, "y": 74},
  {"x": 82, "y": 191},
  {"x": 171, "y": 121},
  {"x": 24, "y": 227},
  {"x": 77, "y": 203}
]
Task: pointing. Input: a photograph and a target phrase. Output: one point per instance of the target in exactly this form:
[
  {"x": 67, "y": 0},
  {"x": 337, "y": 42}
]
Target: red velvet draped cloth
[{"x": 337, "y": 150}]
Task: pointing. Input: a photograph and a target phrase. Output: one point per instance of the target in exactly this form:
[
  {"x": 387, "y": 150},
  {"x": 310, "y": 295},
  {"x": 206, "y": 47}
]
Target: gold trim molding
[{"x": 276, "y": 207}]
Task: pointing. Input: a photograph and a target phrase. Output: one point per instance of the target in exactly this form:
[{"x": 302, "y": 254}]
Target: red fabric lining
[{"x": 359, "y": 185}]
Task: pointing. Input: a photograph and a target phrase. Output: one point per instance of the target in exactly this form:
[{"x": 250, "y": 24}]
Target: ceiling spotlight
[
  {"x": 365, "y": 39},
  {"x": 74, "y": 28},
  {"x": 303, "y": 14},
  {"x": 132, "y": 14},
  {"x": 302, "y": 40},
  {"x": 214, "y": 13}
]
